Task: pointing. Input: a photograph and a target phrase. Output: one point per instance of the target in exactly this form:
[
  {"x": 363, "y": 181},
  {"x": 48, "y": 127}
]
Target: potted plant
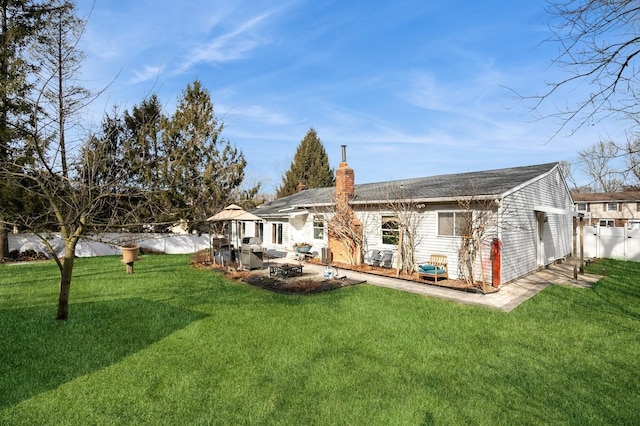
[
  {"x": 302, "y": 247},
  {"x": 130, "y": 250},
  {"x": 130, "y": 253}
]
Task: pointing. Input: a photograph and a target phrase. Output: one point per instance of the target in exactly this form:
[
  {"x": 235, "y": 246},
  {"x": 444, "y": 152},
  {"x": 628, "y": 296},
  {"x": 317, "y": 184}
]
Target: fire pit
[{"x": 285, "y": 270}]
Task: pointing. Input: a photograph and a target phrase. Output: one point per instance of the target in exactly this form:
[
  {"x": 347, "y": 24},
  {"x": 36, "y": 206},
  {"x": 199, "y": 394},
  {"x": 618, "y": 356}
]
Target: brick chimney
[
  {"x": 301, "y": 186},
  {"x": 345, "y": 229},
  {"x": 345, "y": 179}
]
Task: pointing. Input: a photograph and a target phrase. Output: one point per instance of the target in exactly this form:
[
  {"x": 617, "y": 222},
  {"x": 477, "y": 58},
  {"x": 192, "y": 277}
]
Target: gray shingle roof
[
  {"x": 431, "y": 188},
  {"x": 607, "y": 196}
]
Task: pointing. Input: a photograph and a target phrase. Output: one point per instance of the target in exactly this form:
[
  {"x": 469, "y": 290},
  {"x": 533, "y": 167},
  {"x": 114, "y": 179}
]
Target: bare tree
[
  {"x": 90, "y": 198},
  {"x": 345, "y": 228},
  {"x": 477, "y": 230},
  {"x": 478, "y": 224},
  {"x": 70, "y": 202},
  {"x": 62, "y": 95},
  {"x": 632, "y": 160},
  {"x": 408, "y": 218},
  {"x": 599, "y": 47},
  {"x": 567, "y": 172},
  {"x": 601, "y": 163}
]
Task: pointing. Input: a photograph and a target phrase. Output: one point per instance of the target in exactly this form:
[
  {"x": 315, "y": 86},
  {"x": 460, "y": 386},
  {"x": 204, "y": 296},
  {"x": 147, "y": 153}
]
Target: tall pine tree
[
  {"x": 20, "y": 22},
  {"x": 202, "y": 169},
  {"x": 310, "y": 167}
]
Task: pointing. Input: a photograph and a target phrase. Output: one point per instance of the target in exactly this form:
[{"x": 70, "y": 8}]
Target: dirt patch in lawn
[
  {"x": 25, "y": 256},
  {"x": 297, "y": 286},
  {"x": 294, "y": 285}
]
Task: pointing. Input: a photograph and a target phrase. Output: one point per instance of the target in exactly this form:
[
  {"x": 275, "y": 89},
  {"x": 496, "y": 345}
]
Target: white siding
[
  {"x": 268, "y": 241},
  {"x": 519, "y": 229},
  {"x": 301, "y": 230},
  {"x": 427, "y": 240},
  {"x": 528, "y": 243},
  {"x": 297, "y": 229},
  {"x": 432, "y": 243}
]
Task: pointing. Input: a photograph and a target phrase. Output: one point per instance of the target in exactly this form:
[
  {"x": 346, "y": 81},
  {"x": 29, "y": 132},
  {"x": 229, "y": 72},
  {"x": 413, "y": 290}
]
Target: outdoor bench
[{"x": 435, "y": 268}]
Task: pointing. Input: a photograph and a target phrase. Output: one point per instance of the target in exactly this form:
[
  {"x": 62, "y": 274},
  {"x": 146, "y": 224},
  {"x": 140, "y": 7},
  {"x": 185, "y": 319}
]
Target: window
[
  {"x": 390, "y": 230},
  {"x": 581, "y": 207},
  {"x": 318, "y": 229},
  {"x": 607, "y": 223},
  {"x": 276, "y": 233},
  {"x": 451, "y": 223},
  {"x": 612, "y": 207},
  {"x": 259, "y": 230}
]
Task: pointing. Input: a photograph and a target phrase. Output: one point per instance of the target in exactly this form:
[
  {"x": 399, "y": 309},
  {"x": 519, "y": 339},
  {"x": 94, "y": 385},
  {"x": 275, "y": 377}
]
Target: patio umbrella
[{"x": 227, "y": 213}]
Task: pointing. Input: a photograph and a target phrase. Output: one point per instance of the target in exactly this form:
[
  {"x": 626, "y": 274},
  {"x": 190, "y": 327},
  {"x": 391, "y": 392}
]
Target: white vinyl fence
[
  {"x": 109, "y": 244},
  {"x": 615, "y": 243}
]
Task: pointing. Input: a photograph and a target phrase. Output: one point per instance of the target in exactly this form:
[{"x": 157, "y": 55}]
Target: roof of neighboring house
[
  {"x": 627, "y": 196},
  {"x": 482, "y": 184}
]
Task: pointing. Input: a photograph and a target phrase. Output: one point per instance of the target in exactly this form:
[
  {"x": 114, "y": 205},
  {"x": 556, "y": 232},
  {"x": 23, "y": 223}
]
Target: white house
[{"x": 527, "y": 213}]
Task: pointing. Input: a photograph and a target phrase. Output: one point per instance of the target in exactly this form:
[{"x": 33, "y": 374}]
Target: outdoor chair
[
  {"x": 435, "y": 268},
  {"x": 373, "y": 257},
  {"x": 386, "y": 259}
]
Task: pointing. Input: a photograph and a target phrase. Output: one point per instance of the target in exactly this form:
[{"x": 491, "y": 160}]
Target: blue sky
[{"x": 412, "y": 87}]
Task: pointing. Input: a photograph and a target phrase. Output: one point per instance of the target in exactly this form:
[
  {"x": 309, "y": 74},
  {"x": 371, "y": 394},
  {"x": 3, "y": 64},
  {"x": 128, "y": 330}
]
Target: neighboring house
[
  {"x": 530, "y": 212},
  {"x": 610, "y": 209}
]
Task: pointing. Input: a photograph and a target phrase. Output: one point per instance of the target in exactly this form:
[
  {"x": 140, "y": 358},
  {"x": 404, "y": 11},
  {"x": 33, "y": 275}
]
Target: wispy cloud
[
  {"x": 426, "y": 90},
  {"x": 146, "y": 74},
  {"x": 233, "y": 45}
]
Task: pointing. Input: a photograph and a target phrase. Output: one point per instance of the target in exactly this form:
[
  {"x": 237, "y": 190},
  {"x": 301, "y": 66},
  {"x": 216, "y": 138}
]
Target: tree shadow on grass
[{"x": 38, "y": 354}]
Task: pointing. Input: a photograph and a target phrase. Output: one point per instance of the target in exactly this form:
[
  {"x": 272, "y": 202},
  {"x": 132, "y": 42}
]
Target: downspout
[
  {"x": 498, "y": 212},
  {"x": 499, "y": 237}
]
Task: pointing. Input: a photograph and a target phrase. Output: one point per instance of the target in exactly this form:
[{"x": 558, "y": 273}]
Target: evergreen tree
[
  {"x": 143, "y": 148},
  {"x": 310, "y": 167},
  {"x": 201, "y": 169},
  {"x": 20, "y": 21}
]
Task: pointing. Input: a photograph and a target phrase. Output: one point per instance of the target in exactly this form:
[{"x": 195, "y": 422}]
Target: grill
[{"x": 251, "y": 252}]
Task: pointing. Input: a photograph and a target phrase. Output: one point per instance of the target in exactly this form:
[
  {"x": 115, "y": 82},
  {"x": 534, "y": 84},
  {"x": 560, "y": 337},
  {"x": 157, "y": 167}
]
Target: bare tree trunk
[
  {"x": 65, "y": 281},
  {"x": 399, "y": 260},
  {"x": 482, "y": 272}
]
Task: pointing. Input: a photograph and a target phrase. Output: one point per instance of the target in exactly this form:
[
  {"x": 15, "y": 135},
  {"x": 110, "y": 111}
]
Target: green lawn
[{"x": 175, "y": 345}]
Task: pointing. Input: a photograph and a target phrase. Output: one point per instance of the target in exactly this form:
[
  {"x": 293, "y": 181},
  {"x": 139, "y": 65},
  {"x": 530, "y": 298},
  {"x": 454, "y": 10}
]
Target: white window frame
[
  {"x": 456, "y": 230},
  {"x": 318, "y": 228},
  {"x": 387, "y": 231},
  {"x": 277, "y": 233}
]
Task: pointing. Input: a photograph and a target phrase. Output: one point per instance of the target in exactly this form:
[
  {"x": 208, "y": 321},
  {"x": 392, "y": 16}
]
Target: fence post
[
  {"x": 575, "y": 249},
  {"x": 581, "y": 245}
]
